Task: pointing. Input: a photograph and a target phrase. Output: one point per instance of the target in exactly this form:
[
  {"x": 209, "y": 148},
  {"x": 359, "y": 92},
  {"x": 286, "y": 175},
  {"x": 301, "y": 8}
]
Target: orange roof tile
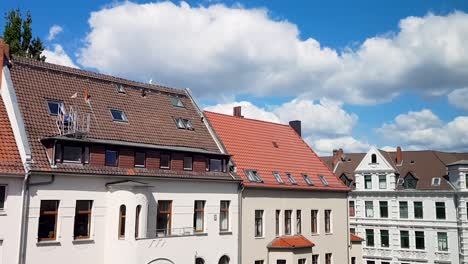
[
  {"x": 10, "y": 161},
  {"x": 291, "y": 242},
  {"x": 355, "y": 238},
  {"x": 270, "y": 147}
]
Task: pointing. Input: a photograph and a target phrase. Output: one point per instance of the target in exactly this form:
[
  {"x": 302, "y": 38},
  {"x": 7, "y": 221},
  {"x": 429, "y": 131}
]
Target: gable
[{"x": 374, "y": 161}]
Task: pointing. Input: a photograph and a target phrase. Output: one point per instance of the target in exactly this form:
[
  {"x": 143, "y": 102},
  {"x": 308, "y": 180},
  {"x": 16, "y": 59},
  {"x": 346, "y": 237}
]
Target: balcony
[{"x": 173, "y": 232}]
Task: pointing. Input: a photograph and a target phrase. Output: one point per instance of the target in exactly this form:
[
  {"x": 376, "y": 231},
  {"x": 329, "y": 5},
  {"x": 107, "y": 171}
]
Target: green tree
[{"x": 18, "y": 35}]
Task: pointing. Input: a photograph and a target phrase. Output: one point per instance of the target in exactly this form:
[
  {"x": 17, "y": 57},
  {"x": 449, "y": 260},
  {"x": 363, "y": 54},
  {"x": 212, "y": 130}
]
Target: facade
[
  {"x": 118, "y": 172},
  {"x": 293, "y": 208},
  {"x": 409, "y": 206}
]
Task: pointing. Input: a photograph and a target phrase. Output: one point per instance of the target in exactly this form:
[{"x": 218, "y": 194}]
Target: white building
[{"x": 409, "y": 206}]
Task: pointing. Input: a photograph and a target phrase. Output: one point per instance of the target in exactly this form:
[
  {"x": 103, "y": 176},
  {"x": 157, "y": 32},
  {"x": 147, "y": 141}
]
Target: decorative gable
[{"x": 374, "y": 161}]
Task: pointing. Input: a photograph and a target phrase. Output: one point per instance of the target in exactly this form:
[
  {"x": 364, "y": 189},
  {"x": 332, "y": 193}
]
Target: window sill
[
  {"x": 201, "y": 233},
  {"x": 328, "y": 234},
  {"x": 48, "y": 243},
  {"x": 3, "y": 213},
  {"x": 259, "y": 237},
  {"x": 223, "y": 233},
  {"x": 315, "y": 234},
  {"x": 83, "y": 241}
]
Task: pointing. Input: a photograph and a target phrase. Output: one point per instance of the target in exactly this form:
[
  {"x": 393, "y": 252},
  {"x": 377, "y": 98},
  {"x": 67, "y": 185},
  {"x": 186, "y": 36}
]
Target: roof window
[
  {"x": 176, "y": 101},
  {"x": 410, "y": 182},
  {"x": 253, "y": 176},
  {"x": 308, "y": 180},
  {"x": 183, "y": 123},
  {"x": 55, "y": 107},
  {"x": 324, "y": 181},
  {"x": 120, "y": 88},
  {"x": 291, "y": 179},
  {"x": 278, "y": 177},
  {"x": 436, "y": 181},
  {"x": 118, "y": 115}
]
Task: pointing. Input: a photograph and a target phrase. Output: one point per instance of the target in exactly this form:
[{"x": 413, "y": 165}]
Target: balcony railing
[{"x": 173, "y": 232}]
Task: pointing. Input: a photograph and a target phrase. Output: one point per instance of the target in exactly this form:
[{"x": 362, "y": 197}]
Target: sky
[{"x": 356, "y": 73}]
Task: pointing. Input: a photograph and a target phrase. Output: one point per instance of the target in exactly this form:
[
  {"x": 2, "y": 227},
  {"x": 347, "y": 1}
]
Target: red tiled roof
[
  {"x": 267, "y": 147},
  {"x": 291, "y": 242},
  {"x": 355, "y": 238},
  {"x": 10, "y": 161}
]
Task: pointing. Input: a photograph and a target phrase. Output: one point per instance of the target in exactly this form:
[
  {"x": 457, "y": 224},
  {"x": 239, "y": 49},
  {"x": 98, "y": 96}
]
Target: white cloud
[
  {"x": 424, "y": 130},
  {"x": 324, "y": 147},
  {"x": 58, "y": 56},
  {"x": 249, "y": 110},
  {"x": 233, "y": 50},
  {"x": 459, "y": 98},
  {"x": 54, "y": 31}
]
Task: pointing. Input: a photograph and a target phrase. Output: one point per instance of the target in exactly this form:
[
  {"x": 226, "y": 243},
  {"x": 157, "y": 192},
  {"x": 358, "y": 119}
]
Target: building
[
  {"x": 118, "y": 171},
  {"x": 410, "y": 206},
  {"x": 293, "y": 208}
]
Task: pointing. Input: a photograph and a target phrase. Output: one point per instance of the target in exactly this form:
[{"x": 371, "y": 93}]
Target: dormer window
[
  {"x": 436, "y": 181},
  {"x": 308, "y": 180},
  {"x": 278, "y": 177},
  {"x": 345, "y": 180},
  {"x": 183, "y": 123},
  {"x": 253, "y": 176},
  {"x": 118, "y": 115},
  {"x": 291, "y": 179},
  {"x": 55, "y": 107},
  {"x": 410, "y": 182},
  {"x": 400, "y": 181},
  {"x": 112, "y": 158},
  {"x": 323, "y": 180},
  {"x": 120, "y": 88},
  {"x": 176, "y": 102},
  {"x": 373, "y": 158}
]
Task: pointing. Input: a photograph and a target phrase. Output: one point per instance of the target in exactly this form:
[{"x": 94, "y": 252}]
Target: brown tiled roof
[
  {"x": 150, "y": 118},
  {"x": 291, "y": 242},
  {"x": 10, "y": 161}
]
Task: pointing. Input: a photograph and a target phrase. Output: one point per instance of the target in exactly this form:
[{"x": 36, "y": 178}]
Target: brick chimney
[
  {"x": 4, "y": 56},
  {"x": 337, "y": 156},
  {"x": 398, "y": 156},
  {"x": 237, "y": 111},
  {"x": 296, "y": 125}
]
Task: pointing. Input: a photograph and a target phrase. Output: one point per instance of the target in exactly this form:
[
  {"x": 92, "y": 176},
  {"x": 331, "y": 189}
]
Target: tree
[{"x": 18, "y": 35}]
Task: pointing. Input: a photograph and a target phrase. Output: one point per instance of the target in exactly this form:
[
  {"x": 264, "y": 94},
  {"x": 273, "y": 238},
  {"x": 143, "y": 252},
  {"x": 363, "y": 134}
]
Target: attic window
[
  {"x": 176, "y": 102},
  {"x": 278, "y": 177},
  {"x": 436, "y": 181},
  {"x": 118, "y": 115},
  {"x": 120, "y": 89},
  {"x": 55, "y": 107},
  {"x": 400, "y": 181},
  {"x": 183, "y": 123},
  {"x": 308, "y": 180},
  {"x": 410, "y": 182},
  {"x": 324, "y": 181},
  {"x": 373, "y": 159},
  {"x": 291, "y": 179},
  {"x": 253, "y": 176},
  {"x": 345, "y": 180}
]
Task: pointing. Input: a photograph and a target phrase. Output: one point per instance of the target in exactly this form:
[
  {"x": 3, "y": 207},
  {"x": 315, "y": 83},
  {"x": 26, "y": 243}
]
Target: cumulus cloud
[
  {"x": 53, "y": 32},
  {"x": 324, "y": 147},
  {"x": 459, "y": 98},
  {"x": 425, "y": 130},
  {"x": 249, "y": 110},
  {"x": 58, "y": 56},
  {"x": 233, "y": 50}
]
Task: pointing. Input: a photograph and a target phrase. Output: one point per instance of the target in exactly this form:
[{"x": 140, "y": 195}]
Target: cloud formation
[
  {"x": 58, "y": 56},
  {"x": 459, "y": 98},
  {"x": 53, "y": 32}
]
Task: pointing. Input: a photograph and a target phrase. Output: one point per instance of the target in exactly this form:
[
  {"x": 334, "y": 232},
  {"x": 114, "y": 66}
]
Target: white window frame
[
  {"x": 263, "y": 223},
  {"x": 278, "y": 177},
  {"x": 380, "y": 181},
  {"x": 323, "y": 180},
  {"x": 331, "y": 221},
  {"x": 365, "y": 209},
  {"x": 123, "y": 115},
  {"x": 60, "y": 104},
  {"x": 3, "y": 210}
]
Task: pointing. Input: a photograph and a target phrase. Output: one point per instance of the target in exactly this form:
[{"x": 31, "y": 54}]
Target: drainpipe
[
  {"x": 239, "y": 245},
  {"x": 347, "y": 223}
]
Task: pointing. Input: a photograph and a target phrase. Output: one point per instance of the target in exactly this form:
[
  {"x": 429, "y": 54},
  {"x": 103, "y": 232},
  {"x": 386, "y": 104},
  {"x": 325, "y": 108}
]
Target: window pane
[
  {"x": 298, "y": 221},
  {"x": 382, "y": 182},
  {"x": 287, "y": 222},
  {"x": 111, "y": 158},
  {"x": 442, "y": 241},
  {"x": 216, "y": 165},
  {"x": 384, "y": 238},
  {"x": 188, "y": 163},
  {"x": 327, "y": 221},
  {"x": 307, "y": 179},
  {"x": 2, "y": 196},
  {"x": 277, "y": 222},
  {"x": 291, "y": 178},
  {"x": 163, "y": 219},
  {"x": 369, "y": 209},
  {"x": 199, "y": 215},
  {"x": 72, "y": 154},
  {"x": 383, "y": 209},
  {"x": 404, "y": 239},
  {"x": 140, "y": 159},
  {"x": 224, "y": 216},
  {"x": 370, "y": 237},
  {"x": 419, "y": 239},
  {"x": 165, "y": 161},
  {"x": 118, "y": 115},
  {"x": 176, "y": 102},
  {"x": 48, "y": 220},
  {"x": 440, "y": 210},
  {"x": 314, "y": 216},
  {"x": 418, "y": 210},
  {"x": 368, "y": 182},
  {"x": 278, "y": 177},
  {"x": 258, "y": 223},
  {"x": 404, "y": 210},
  {"x": 352, "y": 209},
  {"x": 82, "y": 219},
  {"x": 55, "y": 107}
]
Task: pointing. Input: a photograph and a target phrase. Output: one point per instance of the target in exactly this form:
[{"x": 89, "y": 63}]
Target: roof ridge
[{"x": 246, "y": 118}]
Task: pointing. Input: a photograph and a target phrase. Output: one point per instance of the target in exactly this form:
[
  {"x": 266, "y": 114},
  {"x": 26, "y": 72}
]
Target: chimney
[
  {"x": 4, "y": 56},
  {"x": 296, "y": 125},
  {"x": 399, "y": 156},
  {"x": 237, "y": 111},
  {"x": 337, "y": 156}
]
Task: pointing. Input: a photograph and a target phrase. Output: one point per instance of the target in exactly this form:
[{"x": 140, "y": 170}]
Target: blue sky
[{"x": 358, "y": 73}]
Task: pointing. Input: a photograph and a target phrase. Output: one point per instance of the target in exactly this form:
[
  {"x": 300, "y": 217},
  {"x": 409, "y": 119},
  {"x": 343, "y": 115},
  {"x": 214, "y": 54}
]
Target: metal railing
[
  {"x": 172, "y": 232},
  {"x": 72, "y": 124}
]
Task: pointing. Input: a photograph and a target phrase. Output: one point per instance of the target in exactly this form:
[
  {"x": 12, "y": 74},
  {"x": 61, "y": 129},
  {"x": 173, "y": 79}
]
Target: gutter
[{"x": 239, "y": 232}]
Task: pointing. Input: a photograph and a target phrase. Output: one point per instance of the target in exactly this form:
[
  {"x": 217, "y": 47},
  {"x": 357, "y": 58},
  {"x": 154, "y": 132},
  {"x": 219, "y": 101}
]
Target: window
[
  {"x": 259, "y": 262},
  {"x": 55, "y": 107},
  {"x": 164, "y": 218},
  {"x": 199, "y": 216},
  {"x": 373, "y": 158},
  {"x": 253, "y": 176},
  {"x": 224, "y": 216},
  {"x": 368, "y": 181},
  {"x": 314, "y": 221},
  {"x": 418, "y": 210},
  {"x": 86, "y": 155},
  {"x": 436, "y": 181},
  {"x": 323, "y": 180},
  {"x": 301, "y": 261},
  {"x": 352, "y": 209},
  {"x": 165, "y": 161},
  {"x": 384, "y": 238},
  {"x": 352, "y": 230},
  {"x": 307, "y": 179},
  {"x": 112, "y": 158},
  {"x": 370, "y": 237},
  {"x": 278, "y": 177},
  {"x": 410, "y": 182},
  {"x": 277, "y": 222},
  {"x": 183, "y": 123},
  {"x": 72, "y": 154},
  {"x": 382, "y": 182},
  {"x": 48, "y": 220},
  {"x": 466, "y": 181},
  {"x": 118, "y": 115},
  {"x": 442, "y": 241},
  {"x": 122, "y": 216},
  {"x": 140, "y": 159},
  {"x": 353, "y": 260},
  {"x": 400, "y": 181},
  {"x": 383, "y": 209},
  {"x": 328, "y": 221},
  {"x": 2, "y": 197},
  {"x": 188, "y": 163},
  {"x": 176, "y": 102},
  {"x": 217, "y": 165},
  {"x": 404, "y": 239},
  {"x": 369, "y": 209},
  {"x": 403, "y": 209},
  {"x": 345, "y": 180},
  {"x": 281, "y": 261},
  {"x": 120, "y": 88},
  {"x": 419, "y": 239},
  {"x": 298, "y": 222},
  {"x": 82, "y": 226},
  {"x": 199, "y": 261},
  {"x": 258, "y": 223},
  {"x": 137, "y": 221},
  {"x": 224, "y": 260},
  {"x": 291, "y": 178},
  {"x": 315, "y": 259},
  {"x": 328, "y": 258},
  {"x": 440, "y": 210},
  {"x": 287, "y": 222}
]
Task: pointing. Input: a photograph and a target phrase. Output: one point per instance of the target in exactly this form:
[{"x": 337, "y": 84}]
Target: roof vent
[{"x": 275, "y": 144}]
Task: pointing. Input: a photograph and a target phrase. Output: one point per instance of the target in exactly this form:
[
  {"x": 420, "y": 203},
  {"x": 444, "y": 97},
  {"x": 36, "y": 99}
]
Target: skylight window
[
  {"x": 55, "y": 107},
  {"x": 120, "y": 88},
  {"x": 184, "y": 123},
  {"x": 291, "y": 178},
  {"x": 118, "y": 115},
  {"x": 253, "y": 176},
  {"x": 436, "y": 181},
  {"x": 308, "y": 180},
  {"x": 176, "y": 102},
  {"x": 278, "y": 177},
  {"x": 324, "y": 181}
]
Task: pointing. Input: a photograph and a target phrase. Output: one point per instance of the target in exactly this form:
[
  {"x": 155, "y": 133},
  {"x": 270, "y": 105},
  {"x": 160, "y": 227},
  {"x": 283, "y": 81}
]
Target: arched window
[
  {"x": 137, "y": 221},
  {"x": 122, "y": 215},
  {"x": 199, "y": 261},
  {"x": 374, "y": 158},
  {"x": 224, "y": 260}
]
